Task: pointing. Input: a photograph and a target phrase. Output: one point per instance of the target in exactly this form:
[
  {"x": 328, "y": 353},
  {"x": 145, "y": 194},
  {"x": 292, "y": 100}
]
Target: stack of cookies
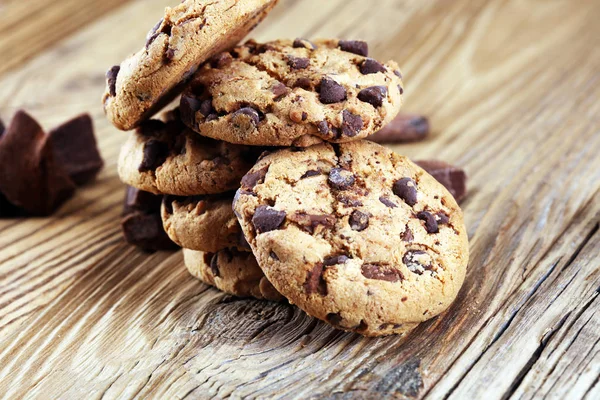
[{"x": 268, "y": 184}]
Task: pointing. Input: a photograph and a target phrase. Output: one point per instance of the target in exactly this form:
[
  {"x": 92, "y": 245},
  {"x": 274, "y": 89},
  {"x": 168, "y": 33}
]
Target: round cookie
[
  {"x": 203, "y": 223},
  {"x": 232, "y": 272},
  {"x": 355, "y": 235},
  {"x": 293, "y": 93},
  {"x": 167, "y": 158},
  {"x": 187, "y": 35}
]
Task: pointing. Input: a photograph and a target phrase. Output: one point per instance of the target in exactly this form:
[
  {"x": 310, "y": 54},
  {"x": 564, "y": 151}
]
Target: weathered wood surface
[{"x": 513, "y": 91}]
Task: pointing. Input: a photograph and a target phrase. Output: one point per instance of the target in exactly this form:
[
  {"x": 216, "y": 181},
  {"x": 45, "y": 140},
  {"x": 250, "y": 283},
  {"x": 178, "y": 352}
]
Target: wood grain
[{"x": 512, "y": 89}]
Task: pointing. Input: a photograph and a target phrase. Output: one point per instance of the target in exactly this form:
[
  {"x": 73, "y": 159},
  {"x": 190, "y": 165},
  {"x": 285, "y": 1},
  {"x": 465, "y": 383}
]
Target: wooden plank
[
  {"x": 512, "y": 90},
  {"x": 29, "y": 27}
]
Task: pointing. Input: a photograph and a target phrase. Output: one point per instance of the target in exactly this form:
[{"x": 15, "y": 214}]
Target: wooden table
[{"x": 513, "y": 91}]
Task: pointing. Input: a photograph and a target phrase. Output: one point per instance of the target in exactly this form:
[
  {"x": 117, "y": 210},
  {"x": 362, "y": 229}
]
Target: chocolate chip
[
  {"x": 111, "y": 78},
  {"x": 334, "y": 319},
  {"x": 381, "y": 273},
  {"x": 221, "y": 60},
  {"x": 406, "y": 189},
  {"x": 309, "y": 222},
  {"x": 189, "y": 106},
  {"x": 417, "y": 261},
  {"x": 431, "y": 225},
  {"x": 279, "y": 90},
  {"x": 373, "y": 95},
  {"x": 400, "y": 89},
  {"x": 323, "y": 127},
  {"x": 250, "y": 112},
  {"x": 341, "y": 179},
  {"x": 170, "y": 54},
  {"x": 214, "y": 265},
  {"x": 251, "y": 179},
  {"x": 349, "y": 201},
  {"x": 274, "y": 256},
  {"x": 331, "y": 92},
  {"x": 152, "y": 35},
  {"x": 453, "y": 178},
  {"x": 300, "y": 43},
  {"x": 155, "y": 154},
  {"x": 442, "y": 218},
  {"x": 298, "y": 62},
  {"x": 404, "y": 128},
  {"x": 335, "y": 260},
  {"x": 370, "y": 66},
  {"x": 352, "y": 124},
  {"x": 2, "y": 128},
  {"x": 75, "y": 148},
  {"x": 398, "y": 74},
  {"x": 407, "y": 235},
  {"x": 314, "y": 281},
  {"x": 267, "y": 219},
  {"x": 355, "y": 46},
  {"x": 358, "y": 221},
  {"x": 206, "y": 107},
  {"x": 387, "y": 202},
  {"x": 310, "y": 173},
  {"x": 304, "y": 83}
]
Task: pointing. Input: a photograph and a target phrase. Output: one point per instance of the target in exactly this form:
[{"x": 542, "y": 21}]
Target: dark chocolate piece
[
  {"x": 453, "y": 178},
  {"x": 404, "y": 128}
]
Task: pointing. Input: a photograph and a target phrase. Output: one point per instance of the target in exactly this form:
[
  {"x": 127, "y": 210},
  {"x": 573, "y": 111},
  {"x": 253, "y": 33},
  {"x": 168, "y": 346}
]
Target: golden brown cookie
[
  {"x": 187, "y": 35},
  {"x": 203, "y": 223},
  {"x": 167, "y": 158},
  {"x": 293, "y": 93},
  {"x": 232, "y": 272},
  {"x": 355, "y": 235}
]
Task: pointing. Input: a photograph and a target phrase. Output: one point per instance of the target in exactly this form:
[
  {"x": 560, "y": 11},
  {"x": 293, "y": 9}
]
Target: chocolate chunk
[
  {"x": 407, "y": 235},
  {"x": 188, "y": 107},
  {"x": 9, "y": 210},
  {"x": 221, "y": 60},
  {"x": 303, "y": 43},
  {"x": 373, "y": 95},
  {"x": 352, "y": 124},
  {"x": 138, "y": 200},
  {"x": 309, "y": 222},
  {"x": 442, "y": 218},
  {"x": 206, "y": 107},
  {"x": 250, "y": 112},
  {"x": 358, "y": 221},
  {"x": 381, "y": 273},
  {"x": 304, "y": 83},
  {"x": 406, "y": 189},
  {"x": 335, "y": 260},
  {"x": 334, "y": 319},
  {"x": 31, "y": 178},
  {"x": 331, "y": 92},
  {"x": 431, "y": 225},
  {"x": 298, "y": 62},
  {"x": 370, "y": 66},
  {"x": 453, "y": 178},
  {"x": 387, "y": 202},
  {"x": 155, "y": 154},
  {"x": 146, "y": 232},
  {"x": 314, "y": 281},
  {"x": 310, "y": 173},
  {"x": 214, "y": 265},
  {"x": 323, "y": 127},
  {"x": 355, "y": 46},
  {"x": 417, "y": 261},
  {"x": 279, "y": 90},
  {"x": 2, "y": 128},
  {"x": 111, "y": 78},
  {"x": 75, "y": 149},
  {"x": 267, "y": 219},
  {"x": 404, "y": 128},
  {"x": 341, "y": 179},
  {"x": 251, "y": 179}
]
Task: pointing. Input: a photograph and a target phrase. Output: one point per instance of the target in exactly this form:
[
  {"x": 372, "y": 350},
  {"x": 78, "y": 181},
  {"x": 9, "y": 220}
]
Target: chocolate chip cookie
[
  {"x": 293, "y": 93},
  {"x": 184, "y": 38},
  {"x": 167, "y": 158},
  {"x": 232, "y": 272},
  {"x": 204, "y": 223},
  {"x": 355, "y": 235}
]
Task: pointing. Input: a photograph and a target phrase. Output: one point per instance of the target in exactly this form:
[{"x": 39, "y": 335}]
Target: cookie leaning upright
[
  {"x": 189, "y": 34},
  {"x": 293, "y": 93},
  {"x": 355, "y": 235}
]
